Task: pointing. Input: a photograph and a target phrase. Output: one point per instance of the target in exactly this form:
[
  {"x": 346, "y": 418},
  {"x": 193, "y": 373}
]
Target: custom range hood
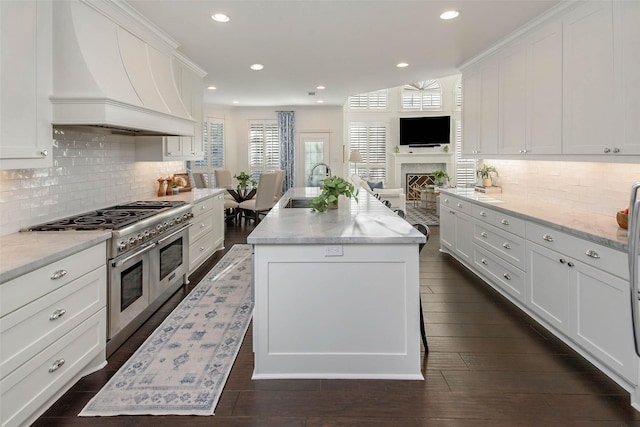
[{"x": 114, "y": 71}]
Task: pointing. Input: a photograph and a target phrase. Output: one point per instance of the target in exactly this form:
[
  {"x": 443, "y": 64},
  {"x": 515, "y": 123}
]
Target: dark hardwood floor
[{"x": 489, "y": 365}]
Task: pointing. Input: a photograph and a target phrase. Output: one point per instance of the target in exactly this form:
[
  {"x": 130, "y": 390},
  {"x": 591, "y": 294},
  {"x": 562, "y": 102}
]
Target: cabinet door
[
  {"x": 463, "y": 236},
  {"x": 470, "y": 112},
  {"x": 548, "y": 286},
  {"x": 627, "y": 60},
  {"x": 490, "y": 108},
  {"x": 601, "y": 316},
  {"x": 218, "y": 221},
  {"x": 588, "y": 80},
  {"x": 25, "y": 109},
  {"x": 447, "y": 227},
  {"x": 174, "y": 147},
  {"x": 513, "y": 105},
  {"x": 544, "y": 91}
]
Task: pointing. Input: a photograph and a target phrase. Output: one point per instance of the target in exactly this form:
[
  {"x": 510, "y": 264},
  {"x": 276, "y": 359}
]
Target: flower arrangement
[
  {"x": 244, "y": 180},
  {"x": 332, "y": 188},
  {"x": 440, "y": 177}
]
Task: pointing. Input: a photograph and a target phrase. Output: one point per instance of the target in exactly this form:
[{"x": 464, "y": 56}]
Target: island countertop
[{"x": 365, "y": 221}]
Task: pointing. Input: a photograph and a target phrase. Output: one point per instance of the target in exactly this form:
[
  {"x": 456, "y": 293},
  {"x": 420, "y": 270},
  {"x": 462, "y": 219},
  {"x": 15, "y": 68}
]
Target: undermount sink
[{"x": 299, "y": 202}]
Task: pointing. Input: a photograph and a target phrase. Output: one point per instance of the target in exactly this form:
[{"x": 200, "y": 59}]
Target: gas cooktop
[{"x": 111, "y": 218}]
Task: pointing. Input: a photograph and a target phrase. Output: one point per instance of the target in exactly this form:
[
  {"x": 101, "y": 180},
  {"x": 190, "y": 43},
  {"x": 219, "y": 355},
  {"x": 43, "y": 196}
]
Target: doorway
[{"x": 314, "y": 148}]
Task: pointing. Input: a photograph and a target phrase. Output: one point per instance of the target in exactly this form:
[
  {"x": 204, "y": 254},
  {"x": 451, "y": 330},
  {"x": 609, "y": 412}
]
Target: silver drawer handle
[
  {"x": 201, "y": 248},
  {"x": 483, "y": 234},
  {"x": 58, "y": 274},
  {"x": 484, "y": 261},
  {"x": 56, "y": 365},
  {"x": 459, "y": 205},
  {"x": 446, "y": 200},
  {"x": 483, "y": 213},
  {"x": 452, "y": 212},
  {"x": 203, "y": 207},
  {"x": 506, "y": 246},
  {"x": 202, "y": 226},
  {"x": 592, "y": 253},
  {"x": 505, "y": 222},
  {"x": 547, "y": 237},
  {"x": 58, "y": 313},
  {"x": 506, "y": 276}
]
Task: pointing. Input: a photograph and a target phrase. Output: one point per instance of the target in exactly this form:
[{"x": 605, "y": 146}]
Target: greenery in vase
[
  {"x": 244, "y": 180},
  {"x": 440, "y": 177},
  {"x": 485, "y": 171},
  {"x": 332, "y": 188}
]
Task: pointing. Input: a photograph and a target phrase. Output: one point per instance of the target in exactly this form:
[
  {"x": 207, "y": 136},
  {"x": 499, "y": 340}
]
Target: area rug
[
  {"x": 420, "y": 215},
  {"x": 182, "y": 367}
]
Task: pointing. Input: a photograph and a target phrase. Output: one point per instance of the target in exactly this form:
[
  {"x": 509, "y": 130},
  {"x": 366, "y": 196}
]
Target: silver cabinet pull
[
  {"x": 483, "y": 234},
  {"x": 506, "y": 246},
  {"x": 202, "y": 225},
  {"x": 504, "y": 222},
  {"x": 202, "y": 248},
  {"x": 56, "y": 365},
  {"x": 57, "y": 314},
  {"x": 570, "y": 264},
  {"x": 484, "y": 261},
  {"x": 446, "y": 200},
  {"x": 547, "y": 237},
  {"x": 616, "y": 150},
  {"x": 607, "y": 150},
  {"x": 483, "y": 213},
  {"x": 459, "y": 205},
  {"x": 506, "y": 276},
  {"x": 452, "y": 212},
  {"x": 592, "y": 253},
  {"x": 44, "y": 153},
  {"x": 562, "y": 260},
  {"x": 58, "y": 274}
]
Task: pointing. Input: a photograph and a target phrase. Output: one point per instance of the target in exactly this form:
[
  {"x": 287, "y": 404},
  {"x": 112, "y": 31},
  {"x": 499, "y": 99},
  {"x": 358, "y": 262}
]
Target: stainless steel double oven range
[{"x": 147, "y": 258}]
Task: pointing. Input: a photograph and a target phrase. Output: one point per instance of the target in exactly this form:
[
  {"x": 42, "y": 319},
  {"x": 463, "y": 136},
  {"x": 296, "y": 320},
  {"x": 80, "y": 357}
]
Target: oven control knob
[
  {"x": 186, "y": 216},
  {"x": 165, "y": 225},
  {"x": 153, "y": 232},
  {"x": 147, "y": 234},
  {"x": 122, "y": 246},
  {"x": 178, "y": 220},
  {"x": 140, "y": 237},
  {"x": 159, "y": 228},
  {"x": 133, "y": 241}
]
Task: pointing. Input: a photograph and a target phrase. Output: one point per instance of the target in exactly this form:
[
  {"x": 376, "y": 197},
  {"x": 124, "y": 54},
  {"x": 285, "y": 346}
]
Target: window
[
  {"x": 422, "y": 96},
  {"x": 213, "y": 138},
  {"x": 371, "y": 140},
  {"x": 369, "y": 101},
  {"x": 457, "y": 95},
  {"x": 465, "y": 168},
  {"x": 264, "y": 147}
]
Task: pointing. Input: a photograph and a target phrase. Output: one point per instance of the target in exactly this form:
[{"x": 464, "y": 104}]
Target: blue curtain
[{"x": 287, "y": 129}]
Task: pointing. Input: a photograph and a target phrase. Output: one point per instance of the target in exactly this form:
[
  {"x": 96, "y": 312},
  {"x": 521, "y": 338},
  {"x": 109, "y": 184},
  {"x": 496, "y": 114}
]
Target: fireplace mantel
[{"x": 421, "y": 158}]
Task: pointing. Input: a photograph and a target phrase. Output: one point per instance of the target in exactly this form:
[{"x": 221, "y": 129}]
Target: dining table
[{"x": 242, "y": 194}]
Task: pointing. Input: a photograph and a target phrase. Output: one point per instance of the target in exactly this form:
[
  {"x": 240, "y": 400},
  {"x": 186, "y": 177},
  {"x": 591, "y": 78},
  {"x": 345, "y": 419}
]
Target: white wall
[
  {"x": 308, "y": 119},
  {"x": 90, "y": 171}
]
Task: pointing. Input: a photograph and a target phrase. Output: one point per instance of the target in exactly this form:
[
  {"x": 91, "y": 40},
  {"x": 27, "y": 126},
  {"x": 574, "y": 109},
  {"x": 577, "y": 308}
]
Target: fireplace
[
  {"x": 419, "y": 164},
  {"x": 414, "y": 182}
]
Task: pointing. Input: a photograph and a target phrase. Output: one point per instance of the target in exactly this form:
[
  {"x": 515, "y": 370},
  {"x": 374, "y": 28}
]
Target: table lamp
[{"x": 355, "y": 157}]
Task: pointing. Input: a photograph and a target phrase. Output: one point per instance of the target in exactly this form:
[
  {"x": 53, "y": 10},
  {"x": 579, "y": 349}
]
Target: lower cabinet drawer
[
  {"x": 26, "y": 389},
  {"x": 506, "y": 276},
  {"x": 506, "y": 245},
  {"x": 28, "y": 331},
  {"x": 200, "y": 250},
  {"x": 201, "y": 226}
]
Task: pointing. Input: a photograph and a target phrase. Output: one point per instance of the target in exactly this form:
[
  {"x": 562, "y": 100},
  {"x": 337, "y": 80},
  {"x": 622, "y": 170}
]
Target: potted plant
[
  {"x": 485, "y": 174},
  {"x": 174, "y": 185},
  {"x": 331, "y": 189},
  {"x": 440, "y": 177},
  {"x": 244, "y": 180}
]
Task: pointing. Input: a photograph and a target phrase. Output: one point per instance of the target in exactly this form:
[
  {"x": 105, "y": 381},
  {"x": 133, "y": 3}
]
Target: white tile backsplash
[
  {"x": 90, "y": 171},
  {"x": 601, "y": 188}
]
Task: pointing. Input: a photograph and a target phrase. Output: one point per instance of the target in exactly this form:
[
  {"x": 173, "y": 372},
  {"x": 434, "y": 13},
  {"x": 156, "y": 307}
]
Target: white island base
[{"x": 336, "y": 311}]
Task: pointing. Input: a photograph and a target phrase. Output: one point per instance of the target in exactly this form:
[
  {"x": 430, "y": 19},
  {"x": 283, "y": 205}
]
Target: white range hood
[{"x": 105, "y": 75}]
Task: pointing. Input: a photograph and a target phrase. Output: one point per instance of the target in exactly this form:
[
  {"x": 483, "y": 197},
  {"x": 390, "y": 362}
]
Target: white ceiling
[{"x": 349, "y": 46}]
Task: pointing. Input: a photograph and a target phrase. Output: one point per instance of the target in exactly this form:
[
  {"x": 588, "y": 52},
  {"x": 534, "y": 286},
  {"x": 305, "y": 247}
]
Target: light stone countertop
[
  {"x": 367, "y": 221},
  {"x": 602, "y": 229},
  {"x": 23, "y": 252}
]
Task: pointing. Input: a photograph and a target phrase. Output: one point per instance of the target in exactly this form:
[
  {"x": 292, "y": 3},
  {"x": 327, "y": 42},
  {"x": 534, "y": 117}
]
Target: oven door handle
[
  {"x": 118, "y": 262},
  {"x": 165, "y": 238}
]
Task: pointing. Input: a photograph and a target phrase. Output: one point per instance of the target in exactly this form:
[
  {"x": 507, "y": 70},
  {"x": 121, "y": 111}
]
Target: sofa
[{"x": 395, "y": 196}]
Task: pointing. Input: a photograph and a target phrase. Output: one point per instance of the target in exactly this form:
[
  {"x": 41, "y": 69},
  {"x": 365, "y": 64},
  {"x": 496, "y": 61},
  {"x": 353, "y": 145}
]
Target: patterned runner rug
[
  {"x": 183, "y": 366},
  {"x": 420, "y": 214}
]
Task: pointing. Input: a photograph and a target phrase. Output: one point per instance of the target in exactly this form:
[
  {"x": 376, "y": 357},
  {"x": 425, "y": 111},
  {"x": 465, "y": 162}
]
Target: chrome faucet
[{"x": 326, "y": 166}]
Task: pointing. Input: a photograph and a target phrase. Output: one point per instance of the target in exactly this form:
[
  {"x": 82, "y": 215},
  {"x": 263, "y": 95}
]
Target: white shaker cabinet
[
  {"x": 207, "y": 233},
  {"x": 26, "y": 82},
  {"x": 456, "y": 226},
  {"x": 626, "y": 18},
  {"x": 589, "y": 81},
  {"x": 513, "y": 102},
  {"x": 481, "y": 86}
]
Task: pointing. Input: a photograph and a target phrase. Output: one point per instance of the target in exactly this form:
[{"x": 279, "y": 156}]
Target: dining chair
[
  {"x": 279, "y": 180},
  {"x": 224, "y": 180},
  {"x": 263, "y": 201}
]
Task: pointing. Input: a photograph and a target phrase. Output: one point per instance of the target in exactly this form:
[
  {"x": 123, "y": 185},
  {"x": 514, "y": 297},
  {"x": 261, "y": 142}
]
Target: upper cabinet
[
  {"x": 567, "y": 86},
  {"x": 25, "y": 109},
  {"x": 588, "y": 76}
]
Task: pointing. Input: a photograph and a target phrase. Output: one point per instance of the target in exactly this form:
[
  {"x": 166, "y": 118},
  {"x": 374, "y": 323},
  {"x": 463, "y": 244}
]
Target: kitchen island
[{"x": 336, "y": 293}]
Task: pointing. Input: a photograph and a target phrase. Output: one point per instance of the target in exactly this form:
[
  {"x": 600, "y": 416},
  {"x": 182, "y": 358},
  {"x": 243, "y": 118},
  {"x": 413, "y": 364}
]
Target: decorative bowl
[{"x": 622, "y": 218}]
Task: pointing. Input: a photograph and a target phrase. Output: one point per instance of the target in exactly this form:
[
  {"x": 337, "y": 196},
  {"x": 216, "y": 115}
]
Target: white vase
[{"x": 487, "y": 182}]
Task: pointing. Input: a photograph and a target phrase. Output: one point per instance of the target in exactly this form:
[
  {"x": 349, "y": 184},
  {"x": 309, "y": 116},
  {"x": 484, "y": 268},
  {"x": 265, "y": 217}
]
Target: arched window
[{"x": 422, "y": 96}]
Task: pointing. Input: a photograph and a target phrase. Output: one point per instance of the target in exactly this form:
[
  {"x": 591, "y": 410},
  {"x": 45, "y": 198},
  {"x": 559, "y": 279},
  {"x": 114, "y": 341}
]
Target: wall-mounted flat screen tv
[{"x": 425, "y": 131}]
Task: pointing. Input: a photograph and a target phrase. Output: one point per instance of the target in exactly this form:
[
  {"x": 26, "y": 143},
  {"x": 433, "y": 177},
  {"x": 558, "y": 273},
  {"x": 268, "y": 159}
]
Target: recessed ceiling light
[
  {"x": 257, "y": 67},
  {"x": 319, "y": 101},
  {"x": 212, "y": 87},
  {"x": 320, "y": 87},
  {"x": 449, "y": 14},
  {"x": 220, "y": 17},
  {"x": 402, "y": 65},
  {"x": 236, "y": 102}
]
